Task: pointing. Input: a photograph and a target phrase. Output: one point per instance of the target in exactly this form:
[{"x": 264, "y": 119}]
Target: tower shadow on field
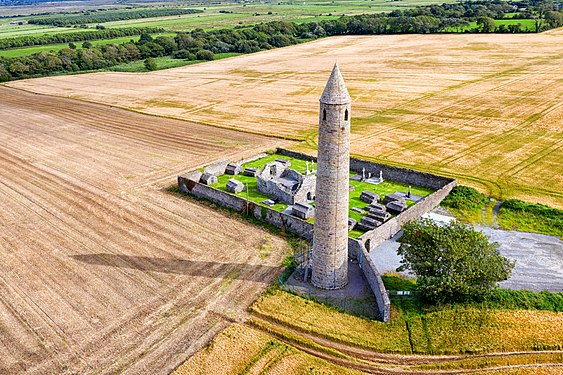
[{"x": 249, "y": 272}]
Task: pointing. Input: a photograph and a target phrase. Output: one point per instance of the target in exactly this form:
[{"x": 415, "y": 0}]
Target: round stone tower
[{"x": 330, "y": 241}]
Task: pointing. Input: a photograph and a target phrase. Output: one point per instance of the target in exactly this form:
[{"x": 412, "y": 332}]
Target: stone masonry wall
[
  {"x": 407, "y": 176},
  {"x": 373, "y": 277},
  {"x": 288, "y": 223}
]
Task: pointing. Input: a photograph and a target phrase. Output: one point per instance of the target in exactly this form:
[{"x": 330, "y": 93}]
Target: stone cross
[
  {"x": 363, "y": 173},
  {"x": 369, "y": 175},
  {"x": 380, "y": 176},
  {"x": 409, "y": 194}
]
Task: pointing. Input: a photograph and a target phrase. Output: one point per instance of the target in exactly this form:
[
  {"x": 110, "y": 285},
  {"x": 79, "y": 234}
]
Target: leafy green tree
[
  {"x": 452, "y": 262},
  {"x": 150, "y": 64},
  {"x": 554, "y": 19},
  {"x": 87, "y": 45},
  {"x": 72, "y": 45},
  {"x": 486, "y": 24}
]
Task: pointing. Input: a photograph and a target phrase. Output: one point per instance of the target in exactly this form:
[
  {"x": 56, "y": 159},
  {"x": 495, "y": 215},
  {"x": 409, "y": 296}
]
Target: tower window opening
[
  {"x": 324, "y": 114},
  {"x": 346, "y": 115}
]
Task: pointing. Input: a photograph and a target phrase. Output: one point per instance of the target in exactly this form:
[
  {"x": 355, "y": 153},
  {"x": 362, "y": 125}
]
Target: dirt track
[{"x": 100, "y": 269}]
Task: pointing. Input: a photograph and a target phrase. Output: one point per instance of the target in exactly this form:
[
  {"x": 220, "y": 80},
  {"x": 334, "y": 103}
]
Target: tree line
[
  {"x": 78, "y": 36},
  {"x": 102, "y": 16},
  {"x": 203, "y": 45}
]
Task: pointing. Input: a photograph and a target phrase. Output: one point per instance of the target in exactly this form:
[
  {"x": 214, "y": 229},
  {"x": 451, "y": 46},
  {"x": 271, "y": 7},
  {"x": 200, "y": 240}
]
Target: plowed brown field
[
  {"x": 100, "y": 269},
  {"x": 486, "y": 109}
]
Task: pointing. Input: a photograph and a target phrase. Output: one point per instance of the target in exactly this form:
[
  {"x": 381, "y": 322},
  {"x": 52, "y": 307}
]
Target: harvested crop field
[
  {"x": 102, "y": 270},
  {"x": 486, "y": 109}
]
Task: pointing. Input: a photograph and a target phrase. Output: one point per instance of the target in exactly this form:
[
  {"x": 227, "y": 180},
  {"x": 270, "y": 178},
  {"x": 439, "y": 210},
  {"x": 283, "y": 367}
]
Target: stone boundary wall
[
  {"x": 374, "y": 279},
  {"x": 357, "y": 248},
  {"x": 291, "y": 224},
  {"x": 407, "y": 176},
  {"x": 391, "y": 227}
]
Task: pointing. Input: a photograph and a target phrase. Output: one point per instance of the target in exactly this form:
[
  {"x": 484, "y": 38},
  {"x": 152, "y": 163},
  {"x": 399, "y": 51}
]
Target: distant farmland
[{"x": 486, "y": 109}]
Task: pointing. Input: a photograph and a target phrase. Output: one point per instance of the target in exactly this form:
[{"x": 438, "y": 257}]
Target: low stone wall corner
[{"x": 375, "y": 282}]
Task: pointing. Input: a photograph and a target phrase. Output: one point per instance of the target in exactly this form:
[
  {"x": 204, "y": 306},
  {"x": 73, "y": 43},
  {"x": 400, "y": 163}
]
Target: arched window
[
  {"x": 324, "y": 114},
  {"x": 346, "y": 115}
]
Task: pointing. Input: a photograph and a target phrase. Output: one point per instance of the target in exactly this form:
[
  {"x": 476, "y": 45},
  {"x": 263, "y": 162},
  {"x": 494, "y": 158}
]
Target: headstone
[
  {"x": 369, "y": 196},
  {"x": 367, "y": 224},
  {"x": 269, "y": 202},
  {"x": 375, "y": 207},
  {"x": 351, "y": 223},
  {"x": 393, "y": 197},
  {"x": 396, "y": 207},
  {"x": 234, "y": 186},
  {"x": 251, "y": 172},
  {"x": 380, "y": 216},
  {"x": 233, "y": 169},
  {"x": 302, "y": 210},
  {"x": 208, "y": 179}
]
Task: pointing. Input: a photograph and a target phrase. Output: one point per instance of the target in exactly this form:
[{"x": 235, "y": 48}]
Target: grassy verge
[
  {"x": 470, "y": 206},
  {"x": 526, "y": 217},
  {"x": 447, "y": 330},
  {"x": 484, "y": 362},
  {"x": 465, "y": 203},
  {"x": 498, "y": 299}
]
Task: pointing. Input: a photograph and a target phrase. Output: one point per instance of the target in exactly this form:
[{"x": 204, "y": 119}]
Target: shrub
[
  {"x": 150, "y": 64},
  {"x": 204, "y": 55},
  {"x": 464, "y": 197}
]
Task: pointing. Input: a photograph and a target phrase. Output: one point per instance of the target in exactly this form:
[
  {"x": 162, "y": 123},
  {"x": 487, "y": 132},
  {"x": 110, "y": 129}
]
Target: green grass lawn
[{"x": 384, "y": 188}]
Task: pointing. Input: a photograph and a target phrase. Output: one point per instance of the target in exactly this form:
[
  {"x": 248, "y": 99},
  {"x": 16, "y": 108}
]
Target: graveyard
[{"x": 357, "y": 206}]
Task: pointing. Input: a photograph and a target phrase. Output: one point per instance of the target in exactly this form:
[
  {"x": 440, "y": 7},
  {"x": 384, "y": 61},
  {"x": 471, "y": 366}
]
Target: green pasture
[
  {"x": 382, "y": 189},
  {"x": 24, "y": 51},
  {"x": 526, "y": 23},
  {"x": 165, "y": 62}
]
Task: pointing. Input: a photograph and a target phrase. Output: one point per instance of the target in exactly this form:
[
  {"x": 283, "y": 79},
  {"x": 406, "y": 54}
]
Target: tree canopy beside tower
[{"x": 452, "y": 262}]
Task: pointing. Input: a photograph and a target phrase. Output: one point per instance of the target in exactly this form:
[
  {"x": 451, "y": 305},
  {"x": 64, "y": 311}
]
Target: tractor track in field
[
  {"x": 375, "y": 134},
  {"x": 102, "y": 268}
]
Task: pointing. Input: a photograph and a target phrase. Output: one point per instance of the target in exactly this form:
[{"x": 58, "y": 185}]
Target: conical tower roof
[{"x": 335, "y": 90}]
